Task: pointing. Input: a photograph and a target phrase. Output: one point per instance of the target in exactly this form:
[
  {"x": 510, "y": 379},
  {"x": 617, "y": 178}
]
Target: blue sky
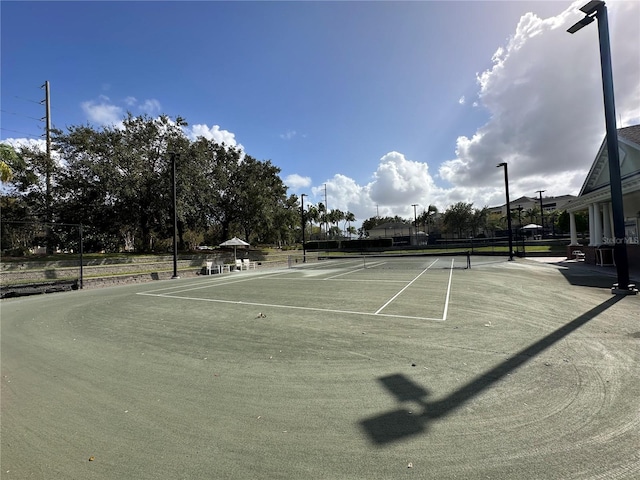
[{"x": 386, "y": 104}]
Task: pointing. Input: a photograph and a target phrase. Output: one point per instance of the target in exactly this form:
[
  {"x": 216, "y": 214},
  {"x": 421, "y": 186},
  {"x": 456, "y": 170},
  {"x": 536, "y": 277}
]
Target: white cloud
[
  {"x": 214, "y": 133},
  {"x": 106, "y": 113},
  {"x": 462, "y": 100},
  {"x": 296, "y": 181},
  {"x": 31, "y": 143},
  {"x": 150, "y": 106},
  {"x": 544, "y": 94},
  {"x": 102, "y": 112},
  {"x": 399, "y": 181},
  {"x": 288, "y": 135}
]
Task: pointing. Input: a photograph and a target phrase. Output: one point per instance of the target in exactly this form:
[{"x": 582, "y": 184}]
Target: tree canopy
[{"x": 116, "y": 182}]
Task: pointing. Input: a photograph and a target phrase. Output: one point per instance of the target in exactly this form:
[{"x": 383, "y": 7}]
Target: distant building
[
  {"x": 401, "y": 233},
  {"x": 549, "y": 204}
]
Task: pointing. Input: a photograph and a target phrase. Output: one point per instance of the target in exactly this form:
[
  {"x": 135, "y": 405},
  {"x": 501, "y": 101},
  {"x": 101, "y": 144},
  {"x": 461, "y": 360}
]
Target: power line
[
  {"x": 27, "y": 100},
  {"x": 21, "y": 133},
  {"x": 20, "y": 115}
]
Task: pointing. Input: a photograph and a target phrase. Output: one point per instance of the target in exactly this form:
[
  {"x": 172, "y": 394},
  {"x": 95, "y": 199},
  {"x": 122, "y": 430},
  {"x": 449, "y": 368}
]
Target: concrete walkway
[{"x": 611, "y": 271}]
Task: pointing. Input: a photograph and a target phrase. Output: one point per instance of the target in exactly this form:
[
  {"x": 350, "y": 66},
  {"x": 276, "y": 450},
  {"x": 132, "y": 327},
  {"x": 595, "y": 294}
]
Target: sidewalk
[{"x": 634, "y": 274}]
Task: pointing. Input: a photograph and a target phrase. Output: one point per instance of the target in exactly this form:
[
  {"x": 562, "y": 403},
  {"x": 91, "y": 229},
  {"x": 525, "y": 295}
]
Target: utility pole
[
  {"x": 415, "y": 221},
  {"x": 326, "y": 213},
  {"x": 541, "y": 212},
  {"x": 47, "y": 118}
]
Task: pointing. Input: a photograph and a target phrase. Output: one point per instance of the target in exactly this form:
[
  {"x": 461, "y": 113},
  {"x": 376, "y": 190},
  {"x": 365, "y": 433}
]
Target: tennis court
[
  {"x": 417, "y": 288},
  {"x": 352, "y": 368}
]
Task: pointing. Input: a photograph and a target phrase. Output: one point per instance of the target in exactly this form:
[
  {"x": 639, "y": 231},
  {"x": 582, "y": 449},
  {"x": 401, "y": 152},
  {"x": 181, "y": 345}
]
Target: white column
[
  {"x": 597, "y": 225},
  {"x": 592, "y": 234},
  {"x": 606, "y": 221},
  {"x": 572, "y": 227},
  {"x": 611, "y": 221}
]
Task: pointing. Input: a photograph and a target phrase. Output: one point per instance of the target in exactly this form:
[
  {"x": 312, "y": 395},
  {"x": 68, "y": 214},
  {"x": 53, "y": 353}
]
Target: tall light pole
[
  {"x": 598, "y": 10},
  {"x": 506, "y": 188},
  {"x": 175, "y": 215},
  {"x": 541, "y": 212},
  {"x": 520, "y": 227},
  {"x": 415, "y": 221},
  {"x": 304, "y": 224}
]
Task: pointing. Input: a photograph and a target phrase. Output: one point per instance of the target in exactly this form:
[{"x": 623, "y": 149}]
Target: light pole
[
  {"x": 598, "y": 10},
  {"x": 415, "y": 221},
  {"x": 175, "y": 215},
  {"x": 541, "y": 213},
  {"x": 506, "y": 188},
  {"x": 304, "y": 224},
  {"x": 520, "y": 227}
]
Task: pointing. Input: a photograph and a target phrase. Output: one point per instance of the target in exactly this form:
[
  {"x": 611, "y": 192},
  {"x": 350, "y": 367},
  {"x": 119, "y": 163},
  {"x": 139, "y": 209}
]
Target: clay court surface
[{"x": 416, "y": 368}]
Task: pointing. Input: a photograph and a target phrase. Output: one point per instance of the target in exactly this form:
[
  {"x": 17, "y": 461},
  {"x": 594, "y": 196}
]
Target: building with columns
[{"x": 595, "y": 197}]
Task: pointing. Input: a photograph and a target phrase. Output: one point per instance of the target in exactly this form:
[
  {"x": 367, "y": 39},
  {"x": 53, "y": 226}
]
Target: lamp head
[{"x": 591, "y": 7}]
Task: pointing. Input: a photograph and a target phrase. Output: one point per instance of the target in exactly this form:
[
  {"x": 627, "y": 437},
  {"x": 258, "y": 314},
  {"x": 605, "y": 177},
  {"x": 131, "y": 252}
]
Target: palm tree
[
  {"x": 322, "y": 215},
  {"x": 335, "y": 217},
  {"x": 348, "y": 218},
  {"x": 532, "y": 214},
  {"x": 313, "y": 216}
]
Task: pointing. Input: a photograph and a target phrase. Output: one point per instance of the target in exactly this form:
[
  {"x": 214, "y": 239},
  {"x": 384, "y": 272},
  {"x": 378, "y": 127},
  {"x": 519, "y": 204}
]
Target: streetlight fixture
[
  {"x": 506, "y": 188},
  {"x": 598, "y": 10},
  {"x": 304, "y": 224},
  {"x": 175, "y": 215},
  {"x": 415, "y": 221},
  {"x": 541, "y": 213}
]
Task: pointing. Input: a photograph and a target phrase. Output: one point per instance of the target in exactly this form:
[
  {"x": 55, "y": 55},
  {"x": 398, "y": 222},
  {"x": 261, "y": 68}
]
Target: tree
[
  {"x": 427, "y": 216},
  {"x": 334, "y": 217},
  {"x": 531, "y": 214},
  {"x": 582, "y": 222},
  {"x": 313, "y": 216},
  {"x": 348, "y": 218},
  {"x": 262, "y": 198},
  {"x": 458, "y": 218},
  {"x": 322, "y": 213},
  {"x": 122, "y": 177},
  {"x": 478, "y": 221},
  {"x": 7, "y": 156}
]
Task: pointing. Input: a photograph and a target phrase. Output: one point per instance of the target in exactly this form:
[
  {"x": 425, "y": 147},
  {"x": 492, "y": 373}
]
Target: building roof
[
  {"x": 597, "y": 185},
  {"x": 632, "y": 133},
  {"x": 598, "y": 176},
  {"x": 392, "y": 225}
]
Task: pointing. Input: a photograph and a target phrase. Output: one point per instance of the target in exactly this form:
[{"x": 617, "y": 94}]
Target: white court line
[
  {"x": 213, "y": 283},
  {"x": 353, "y": 271},
  {"x": 291, "y": 307},
  {"x": 405, "y": 287},
  {"x": 222, "y": 281},
  {"x": 446, "y": 301}
]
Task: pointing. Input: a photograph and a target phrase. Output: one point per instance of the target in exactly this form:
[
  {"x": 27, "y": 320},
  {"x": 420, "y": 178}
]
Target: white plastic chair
[
  {"x": 220, "y": 266},
  {"x": 239, "y": 264},
  {"x": 248, "y": 264},
  {"x": 209, "y": 267}
]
